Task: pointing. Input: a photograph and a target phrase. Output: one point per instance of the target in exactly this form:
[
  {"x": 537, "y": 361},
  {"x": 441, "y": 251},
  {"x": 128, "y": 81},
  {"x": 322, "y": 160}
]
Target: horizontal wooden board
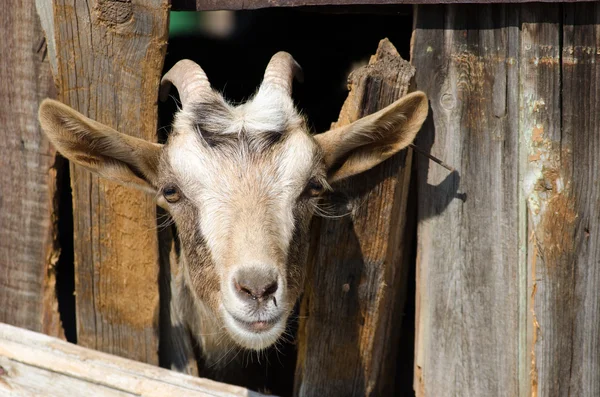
[
  {"x": 33, "y": 364},
  {"x": 211, "y": 5}
]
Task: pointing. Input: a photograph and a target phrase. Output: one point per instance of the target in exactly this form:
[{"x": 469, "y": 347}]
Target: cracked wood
[
  {"x": 107, "y": 57},
  {"x": 507, "y": 281},
  {"x": 468, "y": 263},
  {"x": 352, "y": 308},
  {"x": 28, "y": 246}
]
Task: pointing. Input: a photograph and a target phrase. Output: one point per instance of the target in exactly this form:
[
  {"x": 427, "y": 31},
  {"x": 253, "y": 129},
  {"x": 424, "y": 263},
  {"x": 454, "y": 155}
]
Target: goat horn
[
  {"x": 189, "y": 79},
  {"x": 280, "y": 72}
]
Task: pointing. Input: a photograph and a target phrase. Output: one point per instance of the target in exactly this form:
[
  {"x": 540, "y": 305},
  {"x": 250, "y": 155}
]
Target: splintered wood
[
  {"x": 28, "y": 210},
  {"x": 352, "y": 308}
]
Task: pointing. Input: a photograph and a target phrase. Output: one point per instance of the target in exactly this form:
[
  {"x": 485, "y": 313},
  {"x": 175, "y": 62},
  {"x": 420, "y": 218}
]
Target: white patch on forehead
[
  {"x": 294, "y": 165},
  {"x": 269, "y": 110},
  {"x": 205, "y": 181},
  {"x": 296, "y": 158},
  {"x": 189, "y": 161}
]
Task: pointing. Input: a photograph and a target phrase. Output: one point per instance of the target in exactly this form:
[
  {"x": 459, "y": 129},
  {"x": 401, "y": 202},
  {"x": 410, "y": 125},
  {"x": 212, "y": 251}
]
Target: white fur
[{"x": 246, "y": 205}]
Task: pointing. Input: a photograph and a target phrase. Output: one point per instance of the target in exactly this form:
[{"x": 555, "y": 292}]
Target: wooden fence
[
  {"x": 33, "y": 364},
  {"x": 507, "y": 272},
  {"x": 507, "y": 245}
]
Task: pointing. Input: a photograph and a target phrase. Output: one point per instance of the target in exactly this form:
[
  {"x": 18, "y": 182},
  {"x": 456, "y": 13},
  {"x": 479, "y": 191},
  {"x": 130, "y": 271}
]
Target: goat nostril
[
  {"x": 242, "y": 289},
  {"x": 246, "y": 289},
  {"x": 270, "y": 289}
]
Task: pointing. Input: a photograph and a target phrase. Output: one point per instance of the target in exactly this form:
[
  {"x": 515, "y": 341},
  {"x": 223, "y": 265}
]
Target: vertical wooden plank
[
  {"x": 28, "y": 246},
  {"x": 467, "y": 337},
  {"x": 566, "y": 216},
  {"x": 109, "y": 56},
  {"x": 558, "y": 195},
  {"x": 353, "y": 303},
  {"x": 547, "y": 191}
]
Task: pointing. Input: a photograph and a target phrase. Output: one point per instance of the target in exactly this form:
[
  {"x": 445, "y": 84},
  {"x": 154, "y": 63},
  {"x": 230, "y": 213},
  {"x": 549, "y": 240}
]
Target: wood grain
[
  {"x": 28, "y": 235},
  {"x": 566, "y": 216},
  {"x": 208, "y": 5},
  {"x": 33, "y": 364},
  {"x": 468, "y": 263},
  {"x": 109, "y": 56},
  {"x": 549, "y": 211},
  {"x": 507, "y": 280},
  {"x": 353, "y": 303}
]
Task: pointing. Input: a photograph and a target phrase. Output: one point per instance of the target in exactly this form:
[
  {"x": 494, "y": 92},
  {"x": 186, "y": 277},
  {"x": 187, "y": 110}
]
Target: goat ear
[
  {"x": 359, "y": 146},
  {"x": 111, "y": 154}
]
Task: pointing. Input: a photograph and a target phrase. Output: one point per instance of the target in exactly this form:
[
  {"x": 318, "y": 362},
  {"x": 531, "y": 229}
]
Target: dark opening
[
  {"x": 234, "y": 48},
  {"x": 65, "y": 267}
]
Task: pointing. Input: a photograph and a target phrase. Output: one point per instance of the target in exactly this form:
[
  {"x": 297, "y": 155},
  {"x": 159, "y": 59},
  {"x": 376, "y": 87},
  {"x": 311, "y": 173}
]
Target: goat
[{"x": 241, "y": 184}]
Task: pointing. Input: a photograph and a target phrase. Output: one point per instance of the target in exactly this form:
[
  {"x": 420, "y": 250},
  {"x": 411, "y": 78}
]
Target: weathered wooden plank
[
  {"x": 549, "y": 213},
  {"x": 22, "y": 380},
  {"x": 468, "y": 263},
  {"x": 28, "y": 240},
  {"x": 581, "y": 130},
  {"x": 564, "y": 198},
  {"x": 33, "y": 364},
  {"x": 209, "y": 5},
  {"x": 552, "y": 94},
  {"x": 109, "y": 56},
  {"x": 353, "y": 303}
]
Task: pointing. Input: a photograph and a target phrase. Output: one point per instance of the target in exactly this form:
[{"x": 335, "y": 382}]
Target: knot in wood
[{"x": 114, "y": 12}]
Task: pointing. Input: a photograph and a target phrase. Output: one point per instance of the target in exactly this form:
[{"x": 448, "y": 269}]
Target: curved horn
[
  {"x": 280, "y": 72},
  {"x": 189, "y": 79}
]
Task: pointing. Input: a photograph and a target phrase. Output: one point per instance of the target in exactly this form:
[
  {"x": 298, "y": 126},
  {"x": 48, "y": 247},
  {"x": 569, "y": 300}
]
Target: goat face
[
  {"x": 241, "y": 183},
  {"x": 241, "y": 192}
]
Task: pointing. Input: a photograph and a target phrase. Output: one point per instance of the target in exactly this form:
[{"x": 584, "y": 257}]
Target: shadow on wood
[{"x": 351, "y": 310}]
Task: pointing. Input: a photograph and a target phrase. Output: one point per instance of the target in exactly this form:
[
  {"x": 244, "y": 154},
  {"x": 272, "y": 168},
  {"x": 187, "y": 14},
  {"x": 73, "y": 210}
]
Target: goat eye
[
  {"x": 314, "y": 188},
  {"x": 171, "y": 193}
]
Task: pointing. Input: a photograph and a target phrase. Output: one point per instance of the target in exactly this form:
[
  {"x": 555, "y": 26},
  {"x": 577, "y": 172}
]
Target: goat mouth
[{"x": 257, "y": 326}]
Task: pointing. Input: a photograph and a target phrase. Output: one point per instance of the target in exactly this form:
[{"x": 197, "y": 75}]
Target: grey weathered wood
[
  {"x": 565, "y": 207},
  {"x": 208, "y": 5},
  {"x": 352, "y": 308},
  {"x": 581, "y": 126},
  {"x": 109, "y": 56},
  {"x": 507, "y": 280},
  {"x": 31, "y": 381},
  {"x": 549, "y": 213},
  {"x": 28, "y": 235},
  {"x": 468, "y": 263},
  {"x": 33, "y": 364}
]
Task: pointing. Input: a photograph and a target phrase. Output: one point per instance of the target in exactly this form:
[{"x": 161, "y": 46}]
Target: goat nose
[{"x": 253, "y": 284}]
